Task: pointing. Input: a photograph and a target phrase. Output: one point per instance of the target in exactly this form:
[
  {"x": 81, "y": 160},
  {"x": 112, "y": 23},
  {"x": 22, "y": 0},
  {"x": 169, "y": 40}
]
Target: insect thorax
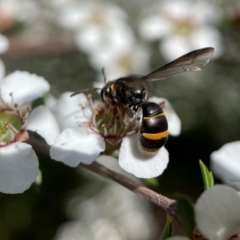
[{"x": 125, "y": 91}]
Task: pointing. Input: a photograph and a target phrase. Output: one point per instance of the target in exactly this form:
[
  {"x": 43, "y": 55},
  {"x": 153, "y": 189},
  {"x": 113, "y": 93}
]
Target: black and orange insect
[{"x": 132, "y": 92}]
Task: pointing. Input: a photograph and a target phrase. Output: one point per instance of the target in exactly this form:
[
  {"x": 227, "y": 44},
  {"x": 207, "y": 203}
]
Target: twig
[
  {"x": 166, "y": 203},
  {"x": 20, "y": 48}
]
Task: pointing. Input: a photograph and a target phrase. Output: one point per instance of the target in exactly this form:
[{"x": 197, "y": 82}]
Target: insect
[{"x": 132, "y": 92}]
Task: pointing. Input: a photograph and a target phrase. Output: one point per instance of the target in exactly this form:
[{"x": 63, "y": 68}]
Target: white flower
[
  {"x": 18, "y": 161},
  {"x": 96, "y": 25},
  {"x": 183, "y": 26},
  {"x": 119, "y": 62},
  {"x": 4, "y": 45},
  {"x": 92, "y": 126},
  {"x": 225, "y": 162},
  {"x": 217, "y": 213}
]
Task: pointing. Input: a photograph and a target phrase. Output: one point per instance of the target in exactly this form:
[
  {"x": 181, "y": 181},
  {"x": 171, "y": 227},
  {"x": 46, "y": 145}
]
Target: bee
[{"x": 131, "y": 93}]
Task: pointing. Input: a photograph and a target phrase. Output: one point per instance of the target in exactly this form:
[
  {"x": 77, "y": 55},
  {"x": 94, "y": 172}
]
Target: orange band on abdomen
[{"x": 155, "y": 136}]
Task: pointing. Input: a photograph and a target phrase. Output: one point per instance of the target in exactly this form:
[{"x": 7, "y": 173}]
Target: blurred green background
[{"x": 207, "y": 103}]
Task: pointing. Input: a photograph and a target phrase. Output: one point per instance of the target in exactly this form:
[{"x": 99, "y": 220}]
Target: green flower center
[
  {"x": 125, "y": 62},
  {"x": 184, "y": 28},
  {"x": 113, "y": 127},
  {"x": 10, "y": 126},
  {"x": 98, "y": 18}
]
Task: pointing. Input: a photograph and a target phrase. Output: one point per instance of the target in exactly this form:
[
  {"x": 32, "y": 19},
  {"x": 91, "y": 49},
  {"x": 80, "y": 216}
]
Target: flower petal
[
  {"x": 217, "y": 212},
  {"x": 76, "y": 145},
  {"x": 225, "y": 162},
  {"x": 4, "y": 44},
  {"x": 42, "y": 121},
  {"x": 142, "y": 166},
  {"x": 24, "y": 86},
  {"x": 18, "y": 167},
  {"x": 174, "y": 122},
  {"x": 69, "y": 112},
  {"x": 155, "y": 27},
  {"x": 175, "y": 46}
]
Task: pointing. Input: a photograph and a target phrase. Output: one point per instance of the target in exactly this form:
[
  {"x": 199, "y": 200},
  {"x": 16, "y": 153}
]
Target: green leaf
[
  {"x": 186, "y": 214},
  {"x": 168, "y": 229},
  {"x": 38, "y": 180},
  {"x": 153, "y": 182},
  {"x": 207, "y": 176}
]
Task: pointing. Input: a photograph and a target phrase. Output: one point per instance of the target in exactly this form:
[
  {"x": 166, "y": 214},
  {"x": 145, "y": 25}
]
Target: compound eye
[{"x": 105, "y": 93}]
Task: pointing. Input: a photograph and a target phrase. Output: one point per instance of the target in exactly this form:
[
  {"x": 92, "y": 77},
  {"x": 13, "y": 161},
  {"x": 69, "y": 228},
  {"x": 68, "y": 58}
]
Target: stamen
[
  {"x": 12, "y": 100},
  {"x": 82, "y": 106},
  {"x": 89, "y": 96},
  {"x": 84, "y": 112},
  {"x": 94, "y": 119},
  {"x": 94, "y": 129},
  {"x": 130, "y": 133},
  {"x": 105, "y": 132},
  {"x": 9, "y": 127}
]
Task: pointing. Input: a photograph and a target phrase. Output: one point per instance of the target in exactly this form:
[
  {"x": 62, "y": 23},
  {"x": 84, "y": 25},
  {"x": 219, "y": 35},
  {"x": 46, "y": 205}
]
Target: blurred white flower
[
  {"x": 91, "y": 218},
  {"x": 18, "y": 11},
  {"x": 183, "y": 26},
  {"x": 91, "y": 126},
  {"x": 4, "y": 45},
  {"x": 97, "y": 26},
  {"x": 122, "y": 61},
  {"x": 18, "y": 161},
  {"x": 225, "y": 162},
  {"x": 217, "y": 213}
]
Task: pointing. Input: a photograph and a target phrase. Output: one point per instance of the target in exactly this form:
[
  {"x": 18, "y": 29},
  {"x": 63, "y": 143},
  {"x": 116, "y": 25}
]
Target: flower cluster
[
  {"x": 182, "y": 26},
  {"x": 18, "y": 161},
  {"x": 102, "y": 32}
]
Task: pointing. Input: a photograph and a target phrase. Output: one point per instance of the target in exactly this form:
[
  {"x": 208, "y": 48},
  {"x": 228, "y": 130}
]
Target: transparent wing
[{"x": 190, "y": 62}]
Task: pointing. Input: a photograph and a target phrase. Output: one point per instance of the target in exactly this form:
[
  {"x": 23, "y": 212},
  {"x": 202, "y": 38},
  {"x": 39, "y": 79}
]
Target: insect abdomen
[{"x": 154, "y": 129}]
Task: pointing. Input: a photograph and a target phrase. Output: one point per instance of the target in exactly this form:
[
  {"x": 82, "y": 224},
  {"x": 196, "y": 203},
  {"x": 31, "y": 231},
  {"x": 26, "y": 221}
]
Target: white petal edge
[
  {"x": 217, "y": 212},
  {"x": 24, "y": 86},
  {"x": 174, "y": 122},
  {"x": 155, "y": 27},
  {"x": 42, "y": 121},
  {"x": 225, "y": 162},
  {"x": 2, "y": 70},
  {"x": 77, "y": 145},
  {"x": 4, "y": 44},
  {"x": 18, "y": 167},
  {"x": 138, "y": 164}
]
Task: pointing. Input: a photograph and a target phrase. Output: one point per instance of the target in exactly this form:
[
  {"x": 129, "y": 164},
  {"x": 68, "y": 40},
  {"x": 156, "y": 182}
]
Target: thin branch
[
  {"x": 21, "y": 48},
  {"x": 166, "y": 203}
]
